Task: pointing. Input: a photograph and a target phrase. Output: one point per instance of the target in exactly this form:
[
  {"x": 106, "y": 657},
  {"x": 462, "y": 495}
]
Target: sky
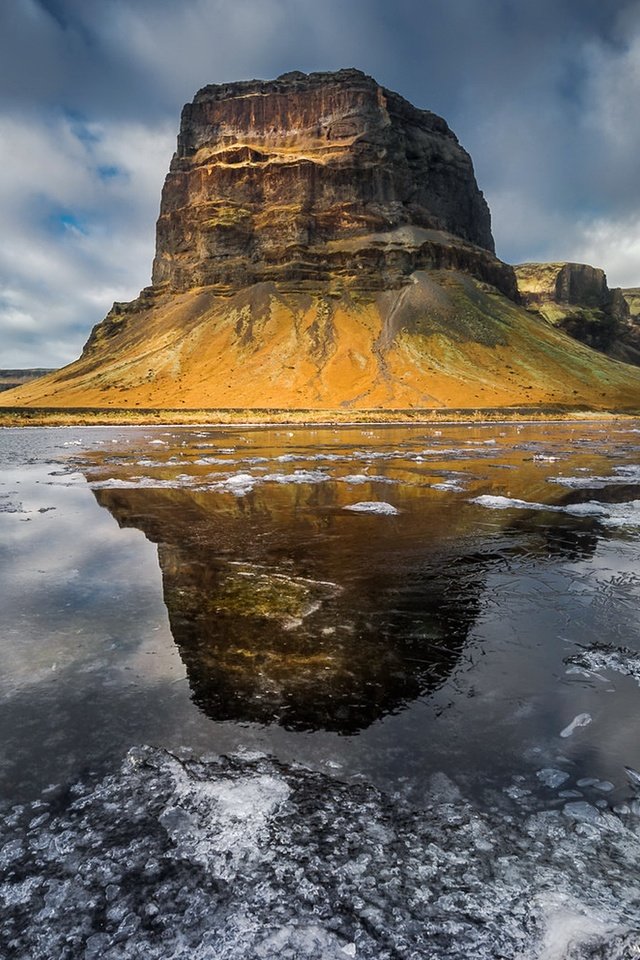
[{"x": 544, "y": 95}]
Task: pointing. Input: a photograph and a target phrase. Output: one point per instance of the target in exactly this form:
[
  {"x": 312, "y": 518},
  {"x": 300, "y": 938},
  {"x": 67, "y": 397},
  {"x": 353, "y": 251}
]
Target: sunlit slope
[{"x": 442, "y": 340}]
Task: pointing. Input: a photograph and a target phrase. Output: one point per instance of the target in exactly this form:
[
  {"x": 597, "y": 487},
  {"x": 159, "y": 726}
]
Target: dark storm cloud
[{"x": 543, "y": 95}]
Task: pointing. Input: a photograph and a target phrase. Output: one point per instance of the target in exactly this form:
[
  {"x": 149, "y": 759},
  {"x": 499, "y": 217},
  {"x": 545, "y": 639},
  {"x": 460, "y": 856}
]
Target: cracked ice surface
[
  {"x": 608, "y": 657},
  {"x": 245, "y": 858}
]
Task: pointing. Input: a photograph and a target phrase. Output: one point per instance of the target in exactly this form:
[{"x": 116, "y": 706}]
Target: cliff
[
  {"x": 632, "y": 297},
  {"x": 322, "y": 243},
  {"x": 576, "y": 298},
  {"x": 269, "y": 175}
]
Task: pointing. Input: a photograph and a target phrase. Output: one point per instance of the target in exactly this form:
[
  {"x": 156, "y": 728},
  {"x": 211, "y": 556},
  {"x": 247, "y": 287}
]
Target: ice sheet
[{"x": 227, "y": 859}]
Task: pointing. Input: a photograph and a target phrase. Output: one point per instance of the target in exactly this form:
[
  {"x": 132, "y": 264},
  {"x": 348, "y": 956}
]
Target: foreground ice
[
  {"x": 246, "y": 858},
  {"x": 582, "y": 720}
]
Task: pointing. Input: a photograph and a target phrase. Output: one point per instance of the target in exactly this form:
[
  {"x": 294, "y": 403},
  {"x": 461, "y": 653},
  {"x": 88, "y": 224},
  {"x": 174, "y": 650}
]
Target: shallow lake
[{"x": 389, "y": 609}]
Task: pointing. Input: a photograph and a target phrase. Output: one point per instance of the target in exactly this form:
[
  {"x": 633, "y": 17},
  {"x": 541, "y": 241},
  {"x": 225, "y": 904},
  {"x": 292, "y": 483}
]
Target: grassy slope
[{"x": 445, "y": 341}]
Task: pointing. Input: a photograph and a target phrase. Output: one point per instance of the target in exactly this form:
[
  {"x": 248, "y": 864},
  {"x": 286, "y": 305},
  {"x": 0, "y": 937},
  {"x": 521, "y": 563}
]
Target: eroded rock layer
[{"x": 268, "y": 174}]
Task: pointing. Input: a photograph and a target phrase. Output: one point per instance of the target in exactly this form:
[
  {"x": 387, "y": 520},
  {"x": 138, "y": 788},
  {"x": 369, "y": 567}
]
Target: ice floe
[
  {"x": 552, "y": 777},
  {"x": 238, "y": 483},
  {"x": 603, "y": 657},
  {"x": 298, "y": 476},
  {"x": 454, "y": 486},
  {"x": 582, "y": 720},
  {"x": 609, "y": 514},
  {"x": 356, "y": 478},
  {"x": 373, "y": 506},
  {"x": 223, "y": 859},
  {"x": 623, "y": 474}
]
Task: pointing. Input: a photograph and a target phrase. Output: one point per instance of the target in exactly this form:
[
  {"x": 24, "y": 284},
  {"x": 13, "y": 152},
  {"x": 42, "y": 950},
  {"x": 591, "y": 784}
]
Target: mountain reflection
[
  {"x": 296, "y": 618},
  {"x": 285, "y": 609}
]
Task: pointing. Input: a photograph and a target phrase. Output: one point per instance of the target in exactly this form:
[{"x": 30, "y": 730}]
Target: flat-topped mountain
[
  {"x": 270, "y": 176},
  {"x": 322, "y": 243}
]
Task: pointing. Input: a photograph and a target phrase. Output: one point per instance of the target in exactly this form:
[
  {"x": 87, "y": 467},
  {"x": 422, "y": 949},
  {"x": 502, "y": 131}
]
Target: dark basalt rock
[{"x": 269, "y": 174}]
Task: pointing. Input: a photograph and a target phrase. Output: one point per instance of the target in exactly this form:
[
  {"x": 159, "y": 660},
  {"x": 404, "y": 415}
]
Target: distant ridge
[{"x": 15, "y": 378}]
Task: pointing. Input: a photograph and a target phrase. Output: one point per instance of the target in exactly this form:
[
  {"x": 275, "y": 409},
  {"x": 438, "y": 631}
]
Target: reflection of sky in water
[{"x": 90, "y": 665}]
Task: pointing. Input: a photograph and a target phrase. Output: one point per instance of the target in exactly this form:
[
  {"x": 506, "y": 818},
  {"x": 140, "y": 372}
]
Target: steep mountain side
[
  {"x": 322, "y": 244},
  {"x": 267, "y": 173},
  {"x": 443, "y": 340}
]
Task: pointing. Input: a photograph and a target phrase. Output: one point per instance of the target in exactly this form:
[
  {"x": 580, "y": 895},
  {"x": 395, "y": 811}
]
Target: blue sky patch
[{"x": 65, "y": 222}]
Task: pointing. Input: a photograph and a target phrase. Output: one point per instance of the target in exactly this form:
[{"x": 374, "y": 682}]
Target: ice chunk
[
  {"x": 633, "y": 777},
  {"x": 551, "y": 777},
  {"x": 581, "y": 810},
  {"x": 507, "y": 503},
  {"x": 373, "y": 506},
  {"x": 609, "y": 514},
  {"x": 602, "y": 657},
  {"x": 582, "y": 720},
  {"x": 604, "y": 786},
  {"x": 298, "y": 476},
  {"x": 623, "y": 474},
  {"x": 356, "y": 478},
  {"x": 238, "y": 483}
]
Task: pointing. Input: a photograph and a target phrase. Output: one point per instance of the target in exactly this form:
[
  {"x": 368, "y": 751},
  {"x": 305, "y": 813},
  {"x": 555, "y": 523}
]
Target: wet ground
[{"x": 428, "y": 633}]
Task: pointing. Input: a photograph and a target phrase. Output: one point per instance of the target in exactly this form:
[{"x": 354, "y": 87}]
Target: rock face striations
[
  {"x": 322, "y": 243},
  {"x": 270, "y": 178}
]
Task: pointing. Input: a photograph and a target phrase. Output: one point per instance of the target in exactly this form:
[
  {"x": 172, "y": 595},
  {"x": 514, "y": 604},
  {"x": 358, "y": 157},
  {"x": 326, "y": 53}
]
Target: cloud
[
  {"x": 615, "y": 243},
  {"x": 544, "y": 96},
  {"x": 77, "y": 239}
]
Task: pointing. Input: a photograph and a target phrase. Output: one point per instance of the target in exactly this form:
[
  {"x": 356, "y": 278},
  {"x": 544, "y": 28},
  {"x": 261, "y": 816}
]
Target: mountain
[
  {"x": 323, "y": 244},
  {"x": 576, "y": 298}
]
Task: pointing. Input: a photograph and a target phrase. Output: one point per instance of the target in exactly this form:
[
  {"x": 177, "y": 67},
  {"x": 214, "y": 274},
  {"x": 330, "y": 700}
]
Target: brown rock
[{"x": 269, "y": 175}]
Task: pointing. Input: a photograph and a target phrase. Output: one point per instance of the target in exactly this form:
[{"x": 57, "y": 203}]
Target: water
[{"x": 423, "y": 641}]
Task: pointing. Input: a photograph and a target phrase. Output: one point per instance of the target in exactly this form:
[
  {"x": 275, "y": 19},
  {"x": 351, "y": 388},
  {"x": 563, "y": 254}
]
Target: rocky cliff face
[
  {"x": 573, "y": 284},
  {"x": 632, "y": 297},
  {"x": 576, "y": 298},
  {"x": 270, "y": 178},
  {"x": 323, "y": 244}
]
